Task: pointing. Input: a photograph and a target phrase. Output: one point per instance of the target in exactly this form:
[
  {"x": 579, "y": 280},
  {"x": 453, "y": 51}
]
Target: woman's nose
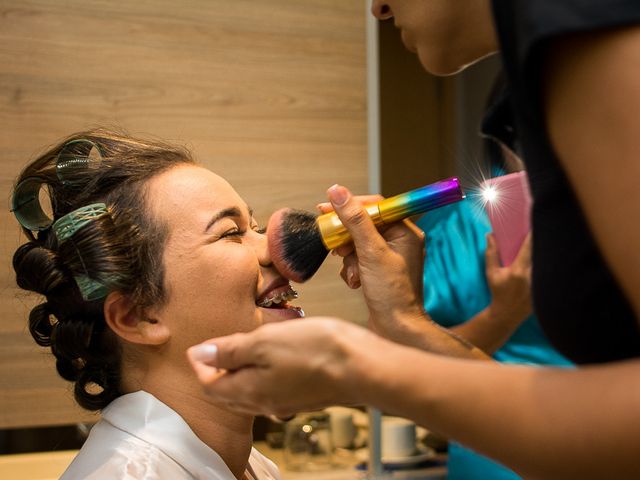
[
  {"x": 381, "y": 10},
  {"x": 261, "y": 247}
]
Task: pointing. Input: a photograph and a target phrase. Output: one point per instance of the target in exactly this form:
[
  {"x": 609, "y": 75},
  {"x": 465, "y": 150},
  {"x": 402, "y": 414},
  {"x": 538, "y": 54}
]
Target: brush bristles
[{"x": 295, "y": 244}]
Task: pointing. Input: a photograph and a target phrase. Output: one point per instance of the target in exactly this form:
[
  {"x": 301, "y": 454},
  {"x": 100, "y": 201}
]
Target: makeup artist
[{"x": 573, "y": 68}]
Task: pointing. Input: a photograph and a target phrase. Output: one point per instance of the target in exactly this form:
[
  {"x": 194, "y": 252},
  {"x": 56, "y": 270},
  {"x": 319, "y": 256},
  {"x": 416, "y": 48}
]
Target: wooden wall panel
[{"x": 271, "y": 95}]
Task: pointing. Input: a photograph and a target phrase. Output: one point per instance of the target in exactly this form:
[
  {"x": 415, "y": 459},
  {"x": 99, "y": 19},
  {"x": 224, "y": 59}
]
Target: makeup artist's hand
[
  {"x": 288, "y": 367},
  {"x": 387, "y": 264},
  {"x": 403, "y": 242}
]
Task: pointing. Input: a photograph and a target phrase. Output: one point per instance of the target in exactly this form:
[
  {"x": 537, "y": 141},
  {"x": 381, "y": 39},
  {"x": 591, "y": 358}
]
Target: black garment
[{"x": 578, "y": 302}]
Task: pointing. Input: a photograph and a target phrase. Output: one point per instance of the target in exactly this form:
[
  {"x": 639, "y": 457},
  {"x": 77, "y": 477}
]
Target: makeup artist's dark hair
[{"x": 121, "y": 249}]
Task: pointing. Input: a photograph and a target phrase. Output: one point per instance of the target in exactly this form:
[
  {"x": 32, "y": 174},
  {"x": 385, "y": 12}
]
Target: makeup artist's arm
[
  {"x": 388, "y": 267},
  {"x": 542, "y": 422},
  {"x": 592, "y": 101},
  {"x": 510, "y": 289}
]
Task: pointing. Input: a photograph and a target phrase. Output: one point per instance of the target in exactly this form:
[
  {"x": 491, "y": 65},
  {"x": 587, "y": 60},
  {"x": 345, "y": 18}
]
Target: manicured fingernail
[
  {"x": 338, "y": 195},
  {"x": 205, "y": 352}
]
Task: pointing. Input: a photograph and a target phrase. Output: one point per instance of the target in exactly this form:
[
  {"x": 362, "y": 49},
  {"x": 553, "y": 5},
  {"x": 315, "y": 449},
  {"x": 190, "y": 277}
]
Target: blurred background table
[{"x": 345, "y": 467}]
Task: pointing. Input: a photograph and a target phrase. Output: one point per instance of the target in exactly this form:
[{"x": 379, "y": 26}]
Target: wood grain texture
[{"x": 270, "y": 95}]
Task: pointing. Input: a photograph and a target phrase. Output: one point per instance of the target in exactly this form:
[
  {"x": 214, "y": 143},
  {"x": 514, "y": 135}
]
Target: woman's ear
[{"x": 131, "y": 323}]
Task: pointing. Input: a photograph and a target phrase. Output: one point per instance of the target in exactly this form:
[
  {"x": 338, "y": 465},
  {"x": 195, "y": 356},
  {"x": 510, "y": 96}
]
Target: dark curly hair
[{"x": 122, "y": 250}]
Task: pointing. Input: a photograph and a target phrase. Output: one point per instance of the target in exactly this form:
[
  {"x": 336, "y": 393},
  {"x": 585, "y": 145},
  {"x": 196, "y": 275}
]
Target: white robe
[{"x": 139, "y": 437}]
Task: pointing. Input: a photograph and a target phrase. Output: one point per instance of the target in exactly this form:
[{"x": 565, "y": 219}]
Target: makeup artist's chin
[
  {"x": 408, "y": 43},
  {"x": 440, "y": 63},
  {"x": 270, "y": 315}
]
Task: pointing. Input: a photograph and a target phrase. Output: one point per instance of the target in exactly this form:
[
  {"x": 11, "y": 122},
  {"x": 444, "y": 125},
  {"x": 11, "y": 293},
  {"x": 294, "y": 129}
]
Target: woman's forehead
[{"x": 188, "y": 188}]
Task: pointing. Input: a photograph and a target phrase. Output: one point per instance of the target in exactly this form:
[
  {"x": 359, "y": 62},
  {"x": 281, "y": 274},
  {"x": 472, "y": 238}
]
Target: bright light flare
[{"x": 490, "y": 194}]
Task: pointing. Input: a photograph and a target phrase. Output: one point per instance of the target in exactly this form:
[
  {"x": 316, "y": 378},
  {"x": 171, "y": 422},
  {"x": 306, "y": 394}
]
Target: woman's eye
[
  {"x": 234, "y": 232},
  {"x": 261, "y": 231}
]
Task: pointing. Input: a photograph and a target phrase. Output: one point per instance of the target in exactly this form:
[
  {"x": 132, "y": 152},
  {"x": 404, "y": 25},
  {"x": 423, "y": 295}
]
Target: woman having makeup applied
[
  {"x": 573, "y": 72},
  {"x": 146, "y": 253}
]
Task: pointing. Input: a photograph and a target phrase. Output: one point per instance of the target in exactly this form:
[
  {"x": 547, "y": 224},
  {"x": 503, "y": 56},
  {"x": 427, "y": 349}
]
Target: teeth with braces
[{"x": 279, "y": 298}]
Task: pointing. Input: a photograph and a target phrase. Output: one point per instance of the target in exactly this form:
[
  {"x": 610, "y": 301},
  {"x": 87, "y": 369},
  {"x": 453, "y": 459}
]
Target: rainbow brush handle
[{"x": 390, "y": 210}]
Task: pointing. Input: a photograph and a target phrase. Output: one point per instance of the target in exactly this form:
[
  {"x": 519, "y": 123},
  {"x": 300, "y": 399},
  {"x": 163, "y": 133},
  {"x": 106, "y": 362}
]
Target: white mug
[{"x": 398, "y": 437}]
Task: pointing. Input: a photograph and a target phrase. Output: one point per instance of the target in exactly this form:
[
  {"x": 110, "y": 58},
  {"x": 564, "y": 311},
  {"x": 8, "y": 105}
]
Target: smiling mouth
[{"x": 278, "y": 298}]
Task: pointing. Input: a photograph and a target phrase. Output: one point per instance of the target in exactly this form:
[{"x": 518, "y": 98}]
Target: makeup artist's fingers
[
  {"x": 234, "y": 391},
  {"x": 282, "y": 369},
  {"x": 366, "y": 237},
  {"x": 344, "y": 250},
  {"x": 199, "y": 357},
  {"x": 204, "y": 372},
  {"x": 394, "y": 231},
  {"x": 230, "y": 353},
  {"x": 409, "y": 241},
  {"x": 326, "y": 207},
  {"x": 408, "y": 226},
  {"x": 350, "y": 271}
]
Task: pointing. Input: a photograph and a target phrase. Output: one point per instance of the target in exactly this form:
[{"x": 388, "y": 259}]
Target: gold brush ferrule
[{"x": 334, "y": 233}]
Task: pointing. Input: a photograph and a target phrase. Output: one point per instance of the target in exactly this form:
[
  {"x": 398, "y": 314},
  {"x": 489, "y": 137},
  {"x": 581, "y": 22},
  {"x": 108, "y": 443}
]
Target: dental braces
[{"x": 279, "y": 298}]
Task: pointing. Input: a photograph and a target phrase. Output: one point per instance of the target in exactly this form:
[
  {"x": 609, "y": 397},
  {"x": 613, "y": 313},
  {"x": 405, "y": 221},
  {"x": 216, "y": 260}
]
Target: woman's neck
[{"x": 227, "y": 433}]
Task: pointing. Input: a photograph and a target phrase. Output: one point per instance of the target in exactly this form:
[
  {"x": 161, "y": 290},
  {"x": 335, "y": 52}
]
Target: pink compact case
[{"x": 508, "y": 204}]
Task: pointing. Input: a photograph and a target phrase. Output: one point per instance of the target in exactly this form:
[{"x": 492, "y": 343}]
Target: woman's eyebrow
[{"x": 227, "y": 212}]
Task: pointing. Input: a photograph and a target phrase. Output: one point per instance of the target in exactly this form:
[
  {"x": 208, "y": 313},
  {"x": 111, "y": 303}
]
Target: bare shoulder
[
  {"x": 594, "y": 79},
  {"x": 592, "y": 103}
]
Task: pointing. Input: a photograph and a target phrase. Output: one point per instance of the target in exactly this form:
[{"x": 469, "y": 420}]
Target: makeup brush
[{"x": 299, "y": 241}]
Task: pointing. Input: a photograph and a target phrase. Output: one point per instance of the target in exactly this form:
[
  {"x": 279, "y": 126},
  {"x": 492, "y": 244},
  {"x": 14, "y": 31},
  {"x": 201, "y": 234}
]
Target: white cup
[
  {"x": 343, "y": 430},
  {"x": 398, "y": 437}
]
